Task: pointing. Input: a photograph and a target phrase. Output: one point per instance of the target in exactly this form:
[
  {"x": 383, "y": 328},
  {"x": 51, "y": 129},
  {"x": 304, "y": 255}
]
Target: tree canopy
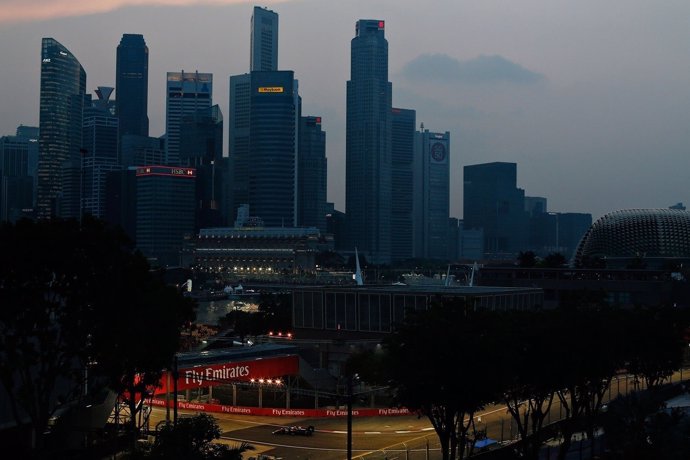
[
  {"x": 451, "y": 360},
  {"x": 79, "y": 302},
  {"x": 192, "y": 439}
]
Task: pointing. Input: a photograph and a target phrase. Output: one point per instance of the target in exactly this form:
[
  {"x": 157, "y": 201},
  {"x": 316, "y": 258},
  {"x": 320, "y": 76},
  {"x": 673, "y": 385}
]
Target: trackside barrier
[{"x": 277, "y": 412}]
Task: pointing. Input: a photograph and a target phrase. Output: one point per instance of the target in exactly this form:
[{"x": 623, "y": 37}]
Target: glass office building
[
  {"x": 368, "y": 143},
  {"x": 63, "y": 87}
]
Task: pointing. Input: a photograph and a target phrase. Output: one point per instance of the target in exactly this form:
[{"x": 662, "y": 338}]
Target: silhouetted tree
[
  {"x": 192, "y": 439},
  {"x": 527, "y": 259},
  {"x": 638, "y": 427},
  {"x": 590, "y": 349},
  {"x": 527, "y": 381},
  {"x": 655, "y": 343},
  {"x": 329, "y": 259},
  {"x": 415, "y": 364},
  {"x": 275, "y": 311},
  {"x": 76, "y": 294},
  {"x": 554, "y": 260}
]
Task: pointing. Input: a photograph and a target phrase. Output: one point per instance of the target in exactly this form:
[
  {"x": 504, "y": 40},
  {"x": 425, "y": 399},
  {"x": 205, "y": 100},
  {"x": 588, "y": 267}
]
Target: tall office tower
[
  {"x": 140, "y": 151},
  {"x": 187, "y": 93},
  {"x": 165, "y": 211},
  {"x": 131, "y": 83},
  {"x": 272, "y": 175},
  {"x": 238, "y": 142},
  {"x": 18, "y": 160},
  {"x": 201, "y": 147},
  {"x": 402, "y": 182},
  {"x": 63, "y": 86},
  {"x": 493, "y": 202},
  {"x": 31, "y": 133},
  {"x": 121, "y": 200},
  {"x": 100, "y": 141},
  {"x": 432, "y": 193},
  {"x": 264, "y": 40},
  {"x": 368, "y": 143},
  {"x": 312, "y": 172}
]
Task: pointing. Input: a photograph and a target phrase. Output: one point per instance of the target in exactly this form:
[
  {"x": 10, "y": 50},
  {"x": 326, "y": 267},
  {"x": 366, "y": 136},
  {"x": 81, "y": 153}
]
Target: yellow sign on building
[{"x": 270, "y": 89}]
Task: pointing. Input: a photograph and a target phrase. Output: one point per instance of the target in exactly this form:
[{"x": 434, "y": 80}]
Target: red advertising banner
[
  {"x": 241, "y": 371},
  {"x": 277, "y": 412}
]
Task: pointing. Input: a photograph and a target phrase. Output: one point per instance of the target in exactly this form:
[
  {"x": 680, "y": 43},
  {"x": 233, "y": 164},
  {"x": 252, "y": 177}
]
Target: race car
[{"x": 295, "y": 430}]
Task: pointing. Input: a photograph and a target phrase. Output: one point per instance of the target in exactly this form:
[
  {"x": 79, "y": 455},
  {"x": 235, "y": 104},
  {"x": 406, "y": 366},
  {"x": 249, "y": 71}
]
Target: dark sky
[{"x": 591, "y": 99}]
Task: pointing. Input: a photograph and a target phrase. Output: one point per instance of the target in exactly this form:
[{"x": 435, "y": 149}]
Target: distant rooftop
[{"x": 237, "y": 353}]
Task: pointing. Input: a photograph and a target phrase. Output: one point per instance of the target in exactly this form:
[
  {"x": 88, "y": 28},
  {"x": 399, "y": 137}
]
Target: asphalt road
[{"x": 373, "y": 438}]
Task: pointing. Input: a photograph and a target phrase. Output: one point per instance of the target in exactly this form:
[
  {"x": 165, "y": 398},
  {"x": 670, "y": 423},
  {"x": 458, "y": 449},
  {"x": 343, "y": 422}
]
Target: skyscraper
[
  {"x": 201, "y": 147},
  {"x": 432, "y": 193},
  {"x": 264, "y": 40},
  {"x": 272, "y": 177},
  {"x": 164, "y": 211},
  {"x": 100, "y": 141},
  {"x": 63, "y": 86},
  {"x": 368, "y": 143},
  {"x": 493, "y": 202},
  {"x": 187, "y": 93},
  {"x": 263, "y": 131},
  {"x": 238, "y": 142},
  {"x": 18, "y": 158},
  {"x": 402, "y": 182},
  {"x": 312, "y": 169},
  {"x": 131, "y": 82}
]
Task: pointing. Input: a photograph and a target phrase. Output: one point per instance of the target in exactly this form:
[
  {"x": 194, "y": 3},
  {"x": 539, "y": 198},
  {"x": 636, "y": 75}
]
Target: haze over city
[{"x": 590, "y": 100}]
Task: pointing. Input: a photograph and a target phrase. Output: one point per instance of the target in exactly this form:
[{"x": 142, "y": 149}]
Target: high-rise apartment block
[
  {"x": 131, "y": 83},
  {"x": 187, "y": 93},
  {"x": 368, "y": 143},
  {"x": 63, "y": 86}
]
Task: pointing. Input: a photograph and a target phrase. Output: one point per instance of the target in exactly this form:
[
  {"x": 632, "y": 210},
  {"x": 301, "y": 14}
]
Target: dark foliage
[{"x": 76, "y": 296}]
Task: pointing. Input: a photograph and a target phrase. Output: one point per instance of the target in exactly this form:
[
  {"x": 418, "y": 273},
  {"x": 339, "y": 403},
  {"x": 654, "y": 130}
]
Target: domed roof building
[{"x": 649, "y": 235}]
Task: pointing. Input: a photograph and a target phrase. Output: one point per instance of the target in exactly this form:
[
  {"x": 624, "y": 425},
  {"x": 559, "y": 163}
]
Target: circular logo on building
[{"x": 438, "y": 152}]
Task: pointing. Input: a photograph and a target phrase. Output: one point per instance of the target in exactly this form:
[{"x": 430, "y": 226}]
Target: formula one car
[{"x": 295, "y": 430}]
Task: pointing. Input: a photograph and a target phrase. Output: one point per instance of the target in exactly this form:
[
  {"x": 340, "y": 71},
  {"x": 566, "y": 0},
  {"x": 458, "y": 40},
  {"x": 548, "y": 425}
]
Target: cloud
[
  {"x": 482, "y": 69},
  {"x": 36, "y": 10}
]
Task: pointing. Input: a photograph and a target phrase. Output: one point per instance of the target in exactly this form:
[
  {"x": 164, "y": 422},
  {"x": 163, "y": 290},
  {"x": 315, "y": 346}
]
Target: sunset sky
[{"x": 591, "y": 99}]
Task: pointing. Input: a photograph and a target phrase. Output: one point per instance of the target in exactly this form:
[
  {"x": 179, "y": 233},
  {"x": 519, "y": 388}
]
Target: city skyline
[{"x": 589, "y": 100}]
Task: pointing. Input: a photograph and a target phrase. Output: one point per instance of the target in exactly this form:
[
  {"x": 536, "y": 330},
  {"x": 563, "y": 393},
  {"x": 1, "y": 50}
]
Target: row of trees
[
  {"x": 80, "y": 312},
  {"x": 450, "y": 361}
]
